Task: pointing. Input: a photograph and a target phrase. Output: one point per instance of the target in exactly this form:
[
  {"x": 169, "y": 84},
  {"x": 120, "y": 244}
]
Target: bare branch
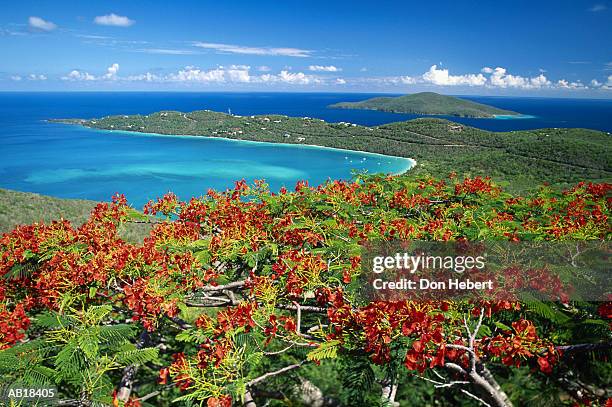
[
  {"x": 306, "y": 308},
  {"x": 484, "y": 403},
  {"x": 299, "y": 317},
  {"x": 278, "y": 352},
  {"x": 455, "y": 367},
  {"x": 229, "y": 286},
  {"x": 459, "y": 347},
  {"x": 274, "y": 373},
  {"x": 584, "y": 347}
]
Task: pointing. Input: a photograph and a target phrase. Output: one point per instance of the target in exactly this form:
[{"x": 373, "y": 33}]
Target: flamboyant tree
[{"x": 233, "y": 294}]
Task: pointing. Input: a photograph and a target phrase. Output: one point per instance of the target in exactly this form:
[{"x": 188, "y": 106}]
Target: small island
[{"x": 427, "y": 103}]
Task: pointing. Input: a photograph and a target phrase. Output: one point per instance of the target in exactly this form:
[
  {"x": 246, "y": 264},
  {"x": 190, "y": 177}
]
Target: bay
[{"x": 74, "y": 162}]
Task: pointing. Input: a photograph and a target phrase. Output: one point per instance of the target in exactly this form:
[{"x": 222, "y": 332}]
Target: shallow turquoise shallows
[{"x": 75, "y": 162}]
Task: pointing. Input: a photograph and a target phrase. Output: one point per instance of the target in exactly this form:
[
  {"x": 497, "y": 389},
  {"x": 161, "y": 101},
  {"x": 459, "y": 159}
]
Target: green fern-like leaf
[
  {"x": 137, "y": 356},
  {"x": 97, "y": 313},
  {"x": 546, "y": 311},
  {"x": 21, "y": 271},
  {"x": 88, "y": 342},
  {"x": 51, "y": 320},
  {"x": 70, "y": 361},
  {"x": 358, "y": 378},
  {"x": 327, "y": 350},
  {"x": 114, "y": 335},
  {"x": 39, "y": 375}
]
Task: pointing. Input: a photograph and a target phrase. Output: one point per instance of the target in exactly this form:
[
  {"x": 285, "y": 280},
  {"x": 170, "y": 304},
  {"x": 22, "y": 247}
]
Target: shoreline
[
  {"x": 513, "y": 116},
  {"x": 443, "y": 115},
  {"x": 411, "y": 162}
]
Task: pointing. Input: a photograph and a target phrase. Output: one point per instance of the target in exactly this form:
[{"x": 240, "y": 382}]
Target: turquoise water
[
  {"x": 514, "y": 116},
  {"x": 75, "y": 162}
]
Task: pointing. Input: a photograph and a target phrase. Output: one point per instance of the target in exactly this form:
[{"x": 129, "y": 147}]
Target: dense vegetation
[
  {"x": 521, "y": 159},
  {"x": 249, "y": 297},
  {"x": 23, "y": 208},
  {"x": 426, "y": 103}
]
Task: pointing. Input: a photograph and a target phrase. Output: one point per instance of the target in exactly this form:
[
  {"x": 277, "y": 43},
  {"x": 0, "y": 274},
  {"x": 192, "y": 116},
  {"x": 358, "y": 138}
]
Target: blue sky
[{"x": 530, "y": 48}]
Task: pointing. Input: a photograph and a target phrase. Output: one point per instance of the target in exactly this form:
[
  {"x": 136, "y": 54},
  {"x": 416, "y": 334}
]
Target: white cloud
[
  {"x": 167, "y": 51},
  {"x": 598, "y": 7},
  {"x": 113, "y": 20},
  {"x": 38, "y": 23},
  {"x": 233, "y": 74},
  {"x": 193, "y": 74},
  {"x": 34, "y": 77},
  {"x": 407, "y": 80},
  {"x": 364, "y": 69},
  {"x": 322, "y": 68},
  {"x": 564, "y": 84},
  {"x": 443, "y": 78},
  {"x": 239, "y": 73},
  {"x": 16, "y": 78},
  {"x": 298, "y": 78},
  {"x": 240, "y": 49},
  {"x": 267, "y": 78},
  {"x": 76, "y": 75},
  {"x": 243, "y": 74},
  {"x": 94, "y": 37},
  {"x": 488, "y": 77},
  {"x": 501, "y": 79},
  {"x": 145, "y": 77},
  {"x": 111, "y": 72},
  {"x": 606, "y": 85},
  {"x": 595, "y": 83}
]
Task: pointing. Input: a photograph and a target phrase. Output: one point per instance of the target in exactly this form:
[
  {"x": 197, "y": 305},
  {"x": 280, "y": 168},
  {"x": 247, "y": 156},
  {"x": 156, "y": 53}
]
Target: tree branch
[
  {"x": 274, "y": 373},
  {"x": 584, "y": 347}
]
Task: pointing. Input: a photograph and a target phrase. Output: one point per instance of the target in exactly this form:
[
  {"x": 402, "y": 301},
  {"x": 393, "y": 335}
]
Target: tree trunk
[
  {"x": 127, "y": 380},
  {"x": 495, "y": 395},
  {"x": 310, "y": 394},
  {"x": 488, "y": 376},
  {"x": 389, "y": 391},
  {"x": 248, "y": 400}
]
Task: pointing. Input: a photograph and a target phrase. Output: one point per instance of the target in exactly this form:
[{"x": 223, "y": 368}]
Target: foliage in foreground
[
  {"x": 245, "y": 296},
  {"x": 22, "y": 208}
]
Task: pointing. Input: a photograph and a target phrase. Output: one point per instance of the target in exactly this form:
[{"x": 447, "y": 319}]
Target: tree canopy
[{"x": 245, "y": 296}]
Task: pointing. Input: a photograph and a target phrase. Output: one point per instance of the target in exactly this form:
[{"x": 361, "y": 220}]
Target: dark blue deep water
[{"x": 73, "y": 162}]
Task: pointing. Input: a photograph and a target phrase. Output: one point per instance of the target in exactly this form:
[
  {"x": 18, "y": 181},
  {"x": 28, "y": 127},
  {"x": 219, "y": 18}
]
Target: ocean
[{"x": 73, "y": 162}]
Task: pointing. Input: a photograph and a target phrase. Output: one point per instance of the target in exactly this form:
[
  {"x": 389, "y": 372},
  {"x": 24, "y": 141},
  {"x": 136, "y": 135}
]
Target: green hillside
[
  {"x": 523, "y": 159},
  {"x": 19, "y": 208},
  {"x": 426, "y": 103},
  {"x": 24, "y": 208}
]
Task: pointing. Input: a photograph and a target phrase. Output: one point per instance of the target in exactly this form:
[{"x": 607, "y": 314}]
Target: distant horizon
[{"x": 318, "y": 92}]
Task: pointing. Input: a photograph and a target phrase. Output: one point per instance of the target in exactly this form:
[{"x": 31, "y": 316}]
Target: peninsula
[
  {"x": 428, "y": 103},
  {"x": 522, "y": 158}
]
